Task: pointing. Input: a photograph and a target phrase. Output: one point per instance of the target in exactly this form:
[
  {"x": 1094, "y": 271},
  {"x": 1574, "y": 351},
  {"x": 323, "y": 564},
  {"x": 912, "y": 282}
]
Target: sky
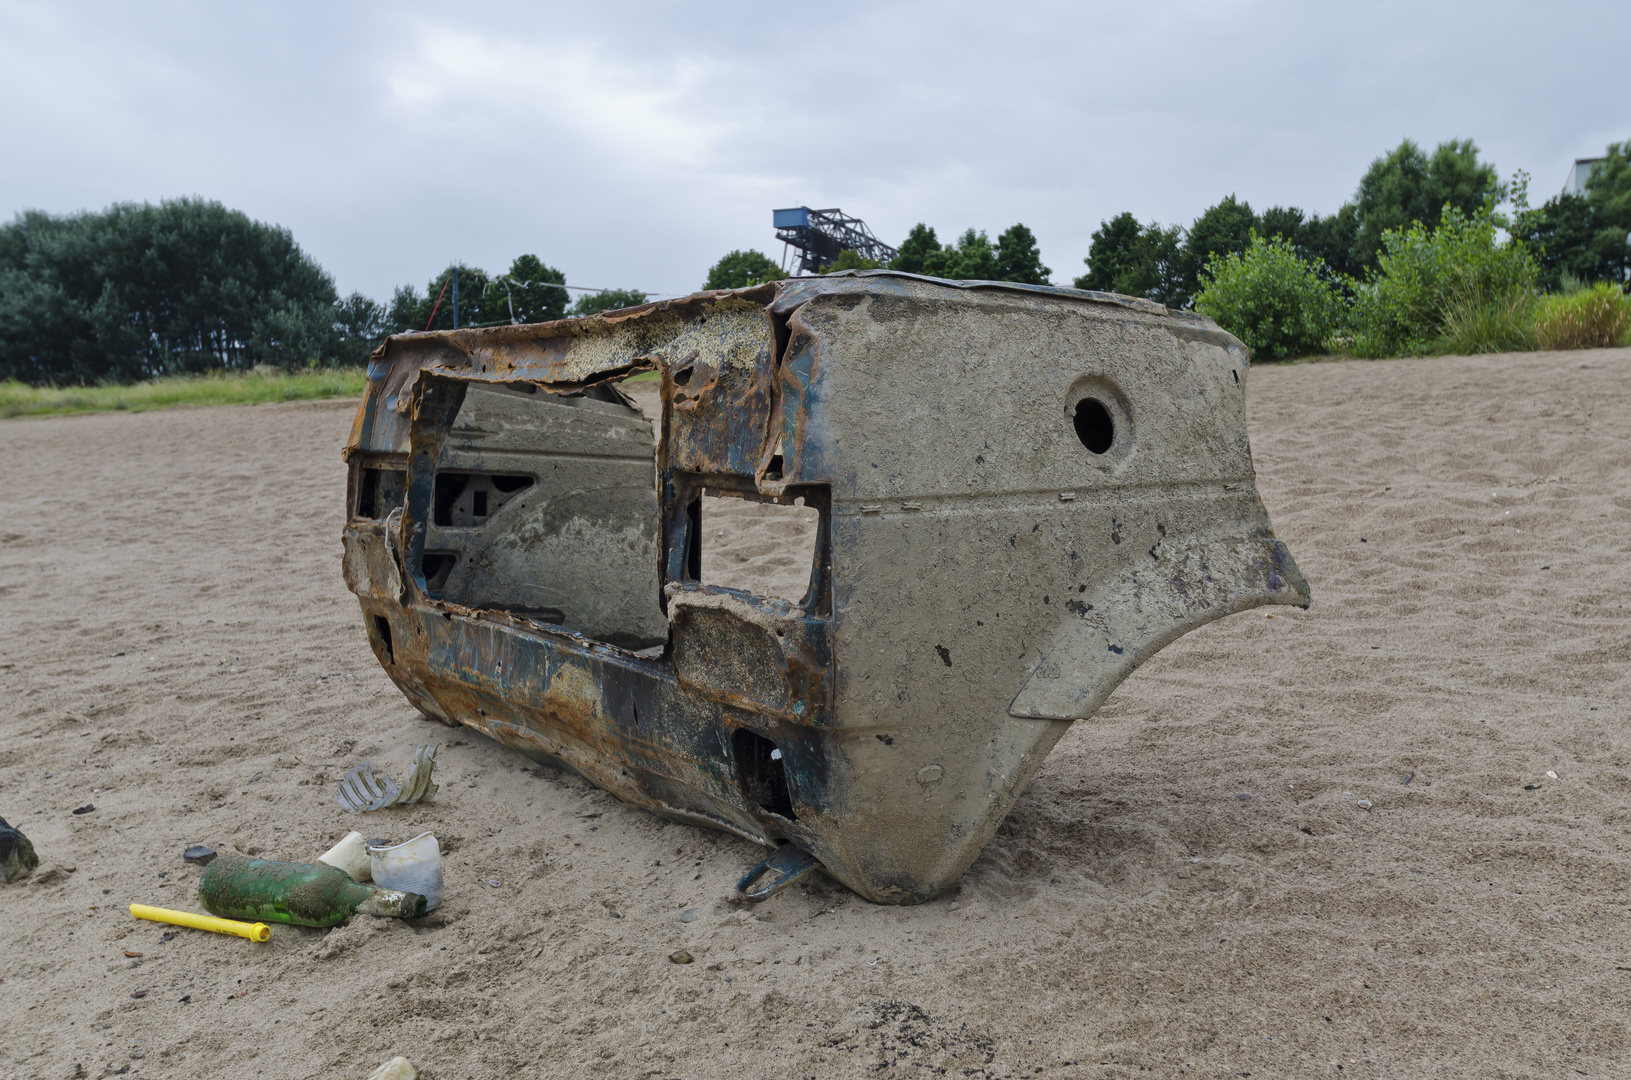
[{"x": 633, "y": 145}]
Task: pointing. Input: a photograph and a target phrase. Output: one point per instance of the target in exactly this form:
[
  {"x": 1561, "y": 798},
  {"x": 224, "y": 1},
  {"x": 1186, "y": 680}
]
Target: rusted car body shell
[{"x": 981, "y": 578}]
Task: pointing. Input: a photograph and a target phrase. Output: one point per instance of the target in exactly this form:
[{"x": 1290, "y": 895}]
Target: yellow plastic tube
[{"x": 252, "y": 931}]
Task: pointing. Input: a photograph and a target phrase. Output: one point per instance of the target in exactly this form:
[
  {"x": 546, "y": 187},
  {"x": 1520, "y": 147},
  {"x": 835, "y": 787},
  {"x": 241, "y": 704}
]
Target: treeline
[
  {"x": 1419, "y": 260},
  {"x": 136, "y": 291},
  {"x": 188, "y": 286}
]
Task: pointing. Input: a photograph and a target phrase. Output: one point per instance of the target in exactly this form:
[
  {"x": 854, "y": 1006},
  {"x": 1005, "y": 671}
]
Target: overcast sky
[{"x": 632, "y": 144}]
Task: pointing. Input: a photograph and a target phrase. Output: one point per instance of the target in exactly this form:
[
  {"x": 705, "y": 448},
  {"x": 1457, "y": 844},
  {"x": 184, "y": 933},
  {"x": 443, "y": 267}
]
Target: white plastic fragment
[
  {"x": 362, "y": 790},
  {"x": 398, "y": 1068},
  {"x": 350, "y": 855}
]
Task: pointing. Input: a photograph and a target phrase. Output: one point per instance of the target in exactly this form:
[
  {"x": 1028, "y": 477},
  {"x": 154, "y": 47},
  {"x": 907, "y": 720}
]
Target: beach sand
[{"x": 1429, "y": 877}]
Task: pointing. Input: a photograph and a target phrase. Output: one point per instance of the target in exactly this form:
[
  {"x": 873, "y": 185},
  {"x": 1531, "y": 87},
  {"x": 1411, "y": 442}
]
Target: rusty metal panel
[{"x": 1023, "y": 494}]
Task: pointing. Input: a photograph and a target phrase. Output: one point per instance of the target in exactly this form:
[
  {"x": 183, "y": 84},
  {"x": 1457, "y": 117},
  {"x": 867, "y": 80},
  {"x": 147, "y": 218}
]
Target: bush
[
  {"x": 1456, "y": 287},
  {"x": 1270, "y": 298},
  {"x": 1593, "y": 318}
]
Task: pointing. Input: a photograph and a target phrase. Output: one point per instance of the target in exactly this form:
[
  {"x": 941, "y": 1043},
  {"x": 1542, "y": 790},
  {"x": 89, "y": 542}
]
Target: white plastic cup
[{"x": 415, "y": 866}]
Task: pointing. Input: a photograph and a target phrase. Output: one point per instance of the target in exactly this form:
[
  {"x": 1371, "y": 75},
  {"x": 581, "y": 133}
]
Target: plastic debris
[
  {"x": 681, "y": 957},
  {"x": 413, "y": 867},
  {"x": 253, "y": 931},
  {"x": 199, "y": 855},
  {"x": 87, "y": 808},
  {"x": 305, "y": 894},
  {"x": 398, "y": 1068},
  {"x": 362, "y": 790},
  {"x": 17, "y": 857},
  {"x": 351, "y": 855}
]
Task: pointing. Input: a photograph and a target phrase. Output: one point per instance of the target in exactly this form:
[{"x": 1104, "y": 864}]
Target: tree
[
  {"x": 1608, "y": 191},
  {"x": 913, "y": 254},
  {"x": 359, "y": 325},
  {"x": 139, "y": 290},
  {"x": 849, "y": 259},
  {"x": 1406, "y": 186},
  {"x": 739, "y": 269},
  {"x": 1143, "y": 261},
  {"x": 529, "y": 291},
  {"x": 1014, "y": 257},
  {"x": 1019, "y": 258},
  {"x": 1223, "y": 229},
  {"x": 1110, "y": 253},
  {"x": 610, "y": 300}
]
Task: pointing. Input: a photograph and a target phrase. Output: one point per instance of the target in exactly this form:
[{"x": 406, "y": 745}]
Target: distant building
[{"x": 1576, "y": 183}]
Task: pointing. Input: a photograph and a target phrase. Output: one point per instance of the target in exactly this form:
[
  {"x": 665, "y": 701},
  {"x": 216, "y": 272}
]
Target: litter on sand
[
  {"x": 17, "y": 857},
  {"x": 362, "y": 790},
  {"x": 398, "y": 1068}
]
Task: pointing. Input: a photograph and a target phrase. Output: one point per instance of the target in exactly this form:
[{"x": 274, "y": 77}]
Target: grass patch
[
  {"x": 248, "y": 388},
  {"x": 1594, "y": 318}
]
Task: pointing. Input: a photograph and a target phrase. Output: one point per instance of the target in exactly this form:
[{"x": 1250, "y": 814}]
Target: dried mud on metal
[{"x": 1190, "y": 885}]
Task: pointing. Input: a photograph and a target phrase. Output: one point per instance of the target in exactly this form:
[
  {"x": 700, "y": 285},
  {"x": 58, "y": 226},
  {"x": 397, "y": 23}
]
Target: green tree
[
  {"x": 1270, "y": 297},
  {"x": 912, "y": 257},
  {"x": 1147, "y": 263},
  {"x": 359, "y": 325},
  {"x": 849, "y": 259},
  {"x": 1019, "y": 258},
  {"x": 139, "y": 290},
  {"x": 610, "y": 300},
  {"x": 1405, "y": 186},
  {"x": 530, "y": 293},
  {"x": 1014, "y": 257},
  {"x": 1111, "y": 253},
  {"x": 739, "y": 269},
  {"x": 1608, "y": 191},
  {"x": 1223, "y": 229}
]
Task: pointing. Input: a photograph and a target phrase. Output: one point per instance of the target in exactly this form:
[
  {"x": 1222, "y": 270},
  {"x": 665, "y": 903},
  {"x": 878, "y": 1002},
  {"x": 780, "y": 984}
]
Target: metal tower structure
[{"x": 819, "y": 235}]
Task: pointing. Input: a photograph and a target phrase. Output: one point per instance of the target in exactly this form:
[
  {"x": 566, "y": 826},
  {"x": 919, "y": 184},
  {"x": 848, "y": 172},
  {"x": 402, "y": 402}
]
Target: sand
[{"x": 1429, "y": 876}]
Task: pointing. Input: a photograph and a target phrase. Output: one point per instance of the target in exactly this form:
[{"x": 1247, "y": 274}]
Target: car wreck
[{"x": 1019, "y": 494}]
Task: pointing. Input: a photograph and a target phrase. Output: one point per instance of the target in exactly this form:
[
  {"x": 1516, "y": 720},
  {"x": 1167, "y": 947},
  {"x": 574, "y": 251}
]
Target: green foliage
[
  {"x": 739, "y": 269},
  {"x": 1143, "y": 261},
  {"x": 1456, "y": 286},
  {"x": 1406, "y": 186},
  {"x": 848, "y": 259},
  {"x": 912, "y": 257},
  {"x": 254, "y": 387},
  {"x": 1269, "y": 297},
  {"x": 1019, "y": 259},
  {"x": 138, "y": 290},
  {"x": 1014, "y": 257},
  {"x": 1592, "y": 318},
  {"x": 1224, "y": 229},
  {"x": 529, "y": 293},
  {"x": 610, "y": 300}
]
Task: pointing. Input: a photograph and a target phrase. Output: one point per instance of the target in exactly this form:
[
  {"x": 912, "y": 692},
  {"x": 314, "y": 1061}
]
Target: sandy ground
[{"x": 177, "y": 649}]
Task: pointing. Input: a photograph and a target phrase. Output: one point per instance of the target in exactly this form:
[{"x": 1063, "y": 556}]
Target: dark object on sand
[
  {"x": 199, "y": 855},
  {"x": 87, "y": 808},
  {"x": 17, "y": 858}
]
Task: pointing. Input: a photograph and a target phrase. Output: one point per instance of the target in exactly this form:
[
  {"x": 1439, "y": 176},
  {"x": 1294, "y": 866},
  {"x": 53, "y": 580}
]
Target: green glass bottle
[{"x": 305, "y": 894}]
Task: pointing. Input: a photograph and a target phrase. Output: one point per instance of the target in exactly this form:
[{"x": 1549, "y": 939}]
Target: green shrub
[
  {"x": 1592, "y": 318},
  {"x": 1270, "y": 298},
  {"x": 1456, "y": 288}
]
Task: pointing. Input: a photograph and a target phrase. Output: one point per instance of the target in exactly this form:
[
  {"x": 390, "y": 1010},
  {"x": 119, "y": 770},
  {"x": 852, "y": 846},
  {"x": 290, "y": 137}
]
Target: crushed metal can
[{"x": 1021, "y": 493}]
